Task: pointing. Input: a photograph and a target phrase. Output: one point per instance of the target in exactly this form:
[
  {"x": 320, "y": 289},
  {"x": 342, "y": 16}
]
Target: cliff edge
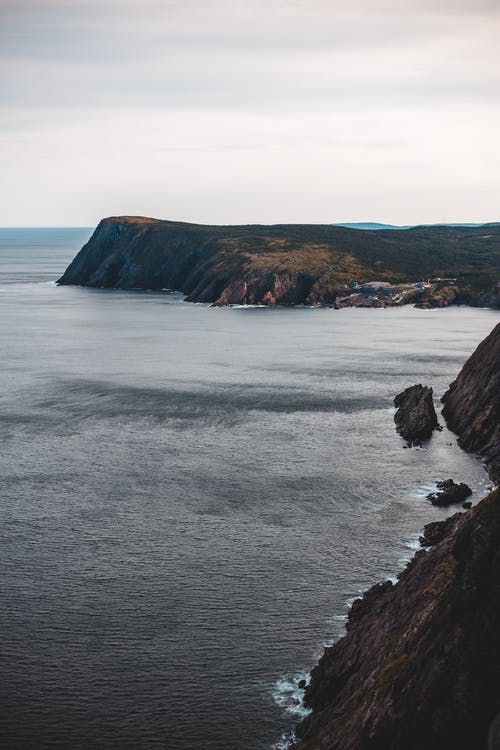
[
  {"x": 419, "y": 666},
  {"x": 472, "y": 403}
]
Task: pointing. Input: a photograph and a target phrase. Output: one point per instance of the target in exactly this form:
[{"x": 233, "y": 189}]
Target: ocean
[{"x": 190, "y": 496}]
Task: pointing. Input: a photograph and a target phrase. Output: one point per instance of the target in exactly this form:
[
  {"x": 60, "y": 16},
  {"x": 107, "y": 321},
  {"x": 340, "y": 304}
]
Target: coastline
[
  {"x": 291, "y": 349},
  {"x": 291, "y": 265},
  {"x": 426, "y": 595},
  {"x": 279, "y": 305},
  {"x": 291, "y": 698}
]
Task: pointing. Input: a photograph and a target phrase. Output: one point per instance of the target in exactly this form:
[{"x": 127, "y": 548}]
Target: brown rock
[
  {"x": 419, "y": 666},
  {"x": 440, "y": 297},
  {"x": 436, "y": 531},
  {"x": 472, "y": 403},
  {"x": 234, "y": 294},
  {"x": 415, "y": 417},
  {"x": 450, "y": 493}
]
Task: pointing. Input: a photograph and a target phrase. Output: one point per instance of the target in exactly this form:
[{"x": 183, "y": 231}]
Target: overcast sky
[{"x": 258, "y": 111}]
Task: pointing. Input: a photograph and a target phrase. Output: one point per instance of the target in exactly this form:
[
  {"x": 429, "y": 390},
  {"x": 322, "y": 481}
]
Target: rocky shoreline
[
  {"x": 419, "y": 665},
  {"x": 312, "y": 265}
]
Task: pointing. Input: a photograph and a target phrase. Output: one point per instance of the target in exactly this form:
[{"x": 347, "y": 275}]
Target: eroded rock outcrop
[
  {"x": 419, "y": 666},
  {"x": 472, "y": 403},
  {"x": 441, "y": 297},
  {"x": 416, "y": 417},
  {"x": 435, "y": 531},
  {"x": 480, "y": 297},
  {"x": 449, "y": 493}
]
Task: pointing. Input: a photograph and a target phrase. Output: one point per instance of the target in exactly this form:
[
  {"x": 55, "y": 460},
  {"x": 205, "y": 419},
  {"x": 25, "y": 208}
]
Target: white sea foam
[
  {"x": 340, "y": 618},
  {"x": 425, "y": 489},
  {"x": 351, "y": 601},
  {"x": 284, "y": 742},
  {"x": 247, "y": 307},
  {"x": 413, "y": 543},
  {"x": 289, "y": 696}
]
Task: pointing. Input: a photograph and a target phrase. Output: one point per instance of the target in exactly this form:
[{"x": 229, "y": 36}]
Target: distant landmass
[
  {"x": 294, "y": 264},
  {"x": 374, "y": 226}
]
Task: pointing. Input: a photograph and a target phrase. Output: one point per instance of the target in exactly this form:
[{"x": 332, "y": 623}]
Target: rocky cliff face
[
  {"x": 279, "y": 264},
  {"x": 441, "y": 297},
  {"x": 454, "y": 295},
  {"x": 416, "y": 417},
  {"x": 472, "y": 403},
  {"x": 419, "y": 666},
  {"x": 480, "y": 297}
]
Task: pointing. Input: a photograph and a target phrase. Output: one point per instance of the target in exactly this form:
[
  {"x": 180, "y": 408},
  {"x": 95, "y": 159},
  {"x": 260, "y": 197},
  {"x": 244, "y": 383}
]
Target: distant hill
[
  {"x": 281, "y": 264},
  {"x": 371, "y": 226},
  {"x": 374, "y": 226}
]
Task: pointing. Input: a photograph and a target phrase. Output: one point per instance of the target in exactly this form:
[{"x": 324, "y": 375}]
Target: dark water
[{"x": 189, "y": 497}]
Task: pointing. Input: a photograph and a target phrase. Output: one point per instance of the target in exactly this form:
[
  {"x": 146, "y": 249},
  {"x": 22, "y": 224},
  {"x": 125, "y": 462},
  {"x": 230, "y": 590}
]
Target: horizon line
[{"x": 345, "y": 224}]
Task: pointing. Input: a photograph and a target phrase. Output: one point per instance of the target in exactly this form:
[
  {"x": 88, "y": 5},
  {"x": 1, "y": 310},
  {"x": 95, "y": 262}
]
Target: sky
[{"x": 255, "y": 111}]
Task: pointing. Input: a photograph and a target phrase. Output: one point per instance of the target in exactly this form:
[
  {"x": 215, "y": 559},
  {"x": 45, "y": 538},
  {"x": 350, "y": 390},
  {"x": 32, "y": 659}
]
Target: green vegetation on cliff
[{"x": 285, "y": 264}]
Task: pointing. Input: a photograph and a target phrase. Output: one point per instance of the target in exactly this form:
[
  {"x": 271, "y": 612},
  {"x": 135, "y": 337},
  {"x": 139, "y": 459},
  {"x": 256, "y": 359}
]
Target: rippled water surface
[{"x": 190, "y": 496}]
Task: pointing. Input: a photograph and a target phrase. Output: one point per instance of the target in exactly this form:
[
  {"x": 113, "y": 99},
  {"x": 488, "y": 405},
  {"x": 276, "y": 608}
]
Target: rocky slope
[
  {"x": 419, "y": 666},
  {"x": 441, "y": 297},
  {"x": 280, "y": 264},
  {"x": 472, "y": 403},
  {"x": 444, "y": 296},
  {"x": 416, "y": 417}
]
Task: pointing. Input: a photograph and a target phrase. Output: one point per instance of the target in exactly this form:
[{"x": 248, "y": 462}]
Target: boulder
[
  {"x": 450, "y": 493},
  {"x": 416, "y": 417},
  {"x": 437, "y": 530}
]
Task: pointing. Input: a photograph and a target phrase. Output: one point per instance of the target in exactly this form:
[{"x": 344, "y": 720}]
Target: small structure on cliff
[{"x": 381, "y": 287}]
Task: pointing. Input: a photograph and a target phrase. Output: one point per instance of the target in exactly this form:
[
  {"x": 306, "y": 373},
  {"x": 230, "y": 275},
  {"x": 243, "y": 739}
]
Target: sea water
[{"x": 190, "y": 497}]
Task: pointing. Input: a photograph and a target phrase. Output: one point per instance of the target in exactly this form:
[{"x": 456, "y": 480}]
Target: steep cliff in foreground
[
  {"x": 419, "y": 666},
  {"x": 281, "y": 264},
  {"x": 472, "y": 403}
]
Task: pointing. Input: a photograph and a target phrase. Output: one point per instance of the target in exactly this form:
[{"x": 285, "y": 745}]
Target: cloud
[{"x": 401, "y": 94}]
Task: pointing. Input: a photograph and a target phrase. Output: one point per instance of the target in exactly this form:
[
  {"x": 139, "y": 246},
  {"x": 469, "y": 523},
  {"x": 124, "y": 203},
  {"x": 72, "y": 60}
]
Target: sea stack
[
  {"x": 416, "y": 417},
  {"x": 449, "y": 493}
]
